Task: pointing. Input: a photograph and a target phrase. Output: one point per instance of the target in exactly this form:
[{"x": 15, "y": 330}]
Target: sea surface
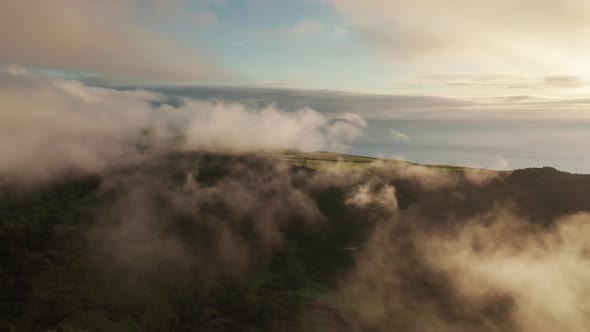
[{"x": 564, "y": 145}]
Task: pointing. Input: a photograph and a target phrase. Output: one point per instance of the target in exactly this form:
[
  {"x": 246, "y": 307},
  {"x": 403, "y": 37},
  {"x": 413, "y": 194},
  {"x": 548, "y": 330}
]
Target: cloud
[
  {"x": 481, "y": 83},
  {"x": 331, "y": 102},
  {"x": 117, "y": 40},
  {"x": 467, "y": 256},
  {"x": 568, "y": 81},
  {"x": 544, "y": 271},
  {"x": 502, "y": 164},
  {"x": 54, "y": 127},
  {"x": 524, "y": 37},
  {"x": 447, "y": 250},
  {"x": 400, "y": 106},
  {"x": 136, "y": 231},
  {"x": 398, "y": 136},
  {"x": 369, "y": 194},
  {"x": 235, "y": 127}
]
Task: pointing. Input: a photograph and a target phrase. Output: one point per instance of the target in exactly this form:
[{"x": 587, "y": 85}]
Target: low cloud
[
  {"x": 398, "y": 136},
  {"x": 542, "y": 271},
  {"x": 235, "y": 127},
  {"x": 238, "y": 218},
  {"x": 51, "y": 127},
  {"x": 450, "y": 262},
  {"x": 447, "y": 250},
  {"x": 502, "y": 164}
]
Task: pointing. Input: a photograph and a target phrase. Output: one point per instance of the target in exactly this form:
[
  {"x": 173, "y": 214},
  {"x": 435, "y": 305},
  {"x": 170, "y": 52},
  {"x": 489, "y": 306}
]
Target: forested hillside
[{"x": 222, "y": 242}]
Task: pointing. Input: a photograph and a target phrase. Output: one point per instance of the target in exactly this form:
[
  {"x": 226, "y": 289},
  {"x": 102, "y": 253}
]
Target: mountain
[{"x": 284, "y": 241}]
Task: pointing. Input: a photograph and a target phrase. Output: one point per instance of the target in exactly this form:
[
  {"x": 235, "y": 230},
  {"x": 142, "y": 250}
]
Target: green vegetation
[{"x": 331, "y": 160}]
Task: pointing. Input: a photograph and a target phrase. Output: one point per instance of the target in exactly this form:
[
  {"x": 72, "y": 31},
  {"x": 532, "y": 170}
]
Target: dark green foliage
[
  {"x": 35, "y": 232},
  {"x": 51, "y": 279},
  {"x": 233, "y": 309}
]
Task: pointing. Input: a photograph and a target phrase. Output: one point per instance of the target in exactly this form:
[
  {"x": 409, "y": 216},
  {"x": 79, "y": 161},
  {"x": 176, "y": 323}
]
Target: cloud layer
[
  {"x": 476, "y": 48},
  {"x": 54, "y": 126},
  {"x": 113, "y": 38},
  {"x": 474, "y": 31}
]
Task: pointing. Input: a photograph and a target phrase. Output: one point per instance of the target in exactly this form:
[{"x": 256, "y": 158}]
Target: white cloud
[
  {"x": 236, "y": 127},
  {"x": 50, "y": 127},
  {"x": 502, "y": 164},
  {"x": 398, "y": 136},
  {"x": 545, "y": 270}
]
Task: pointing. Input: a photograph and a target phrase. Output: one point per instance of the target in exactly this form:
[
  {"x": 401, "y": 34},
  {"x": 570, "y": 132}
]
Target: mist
[
  {"x": 468, "y": 254},
  {"x": 192, "y": 186},
  {"x": 72, "y": 127},
  {"x": 456, "y": 250},
  {"x": 328, "y": 165}
]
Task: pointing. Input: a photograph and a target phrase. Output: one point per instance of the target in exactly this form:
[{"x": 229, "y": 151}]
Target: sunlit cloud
[
  {"x": 117, "y": 40},
  {"x": 525, "y": 41}
]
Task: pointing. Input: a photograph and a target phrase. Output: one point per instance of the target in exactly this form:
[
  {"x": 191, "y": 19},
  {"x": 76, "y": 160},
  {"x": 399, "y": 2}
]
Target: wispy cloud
[
  {"x": 512, "y": 31},
  {"x": 115, "y": 40},
  {"x": 533, "y": 45},
  {"x": 494, "y": 81},
  {"x": 398, "y": 136},
  {"x": 407, "y": 106}
]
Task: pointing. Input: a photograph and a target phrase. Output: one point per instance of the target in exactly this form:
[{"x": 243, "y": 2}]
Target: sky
[
  {"x": 479, "y": 61},
  {"x": 448, "y": 48}
]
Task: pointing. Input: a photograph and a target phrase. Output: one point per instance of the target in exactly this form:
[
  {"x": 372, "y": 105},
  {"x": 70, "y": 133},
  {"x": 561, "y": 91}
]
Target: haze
[
  {"x": 506, "y": 83},
  {"x": 294, "y": 165}
]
